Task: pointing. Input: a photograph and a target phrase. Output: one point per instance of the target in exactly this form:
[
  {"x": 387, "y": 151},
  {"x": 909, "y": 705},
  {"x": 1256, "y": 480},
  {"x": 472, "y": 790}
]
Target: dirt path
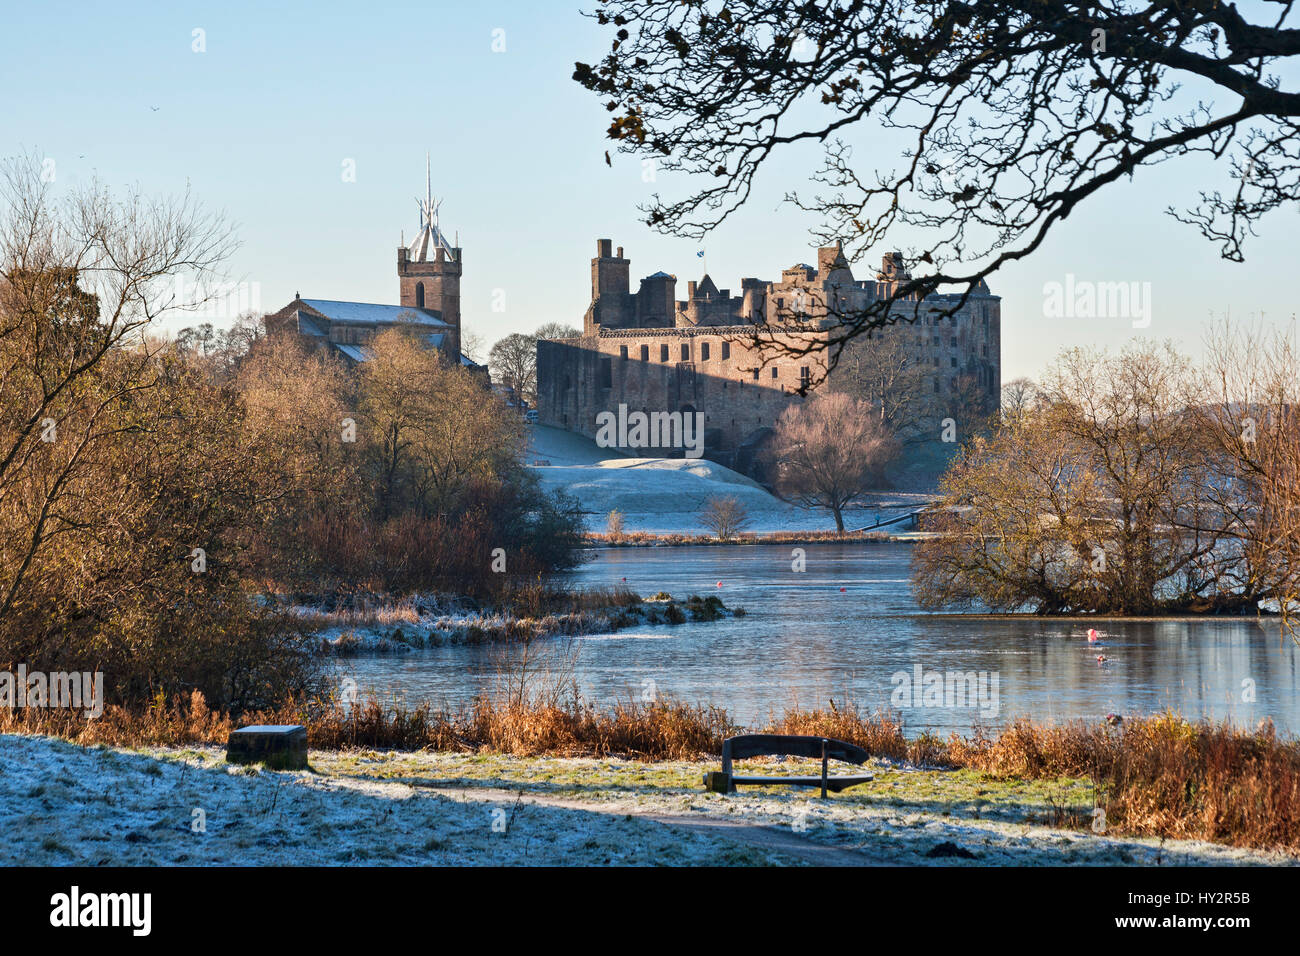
[{"x": 776, "y": 839}]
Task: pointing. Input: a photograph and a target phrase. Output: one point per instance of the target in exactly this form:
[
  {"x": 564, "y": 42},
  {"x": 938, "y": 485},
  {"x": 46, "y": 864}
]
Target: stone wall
[{"x": 650, "y": 354}]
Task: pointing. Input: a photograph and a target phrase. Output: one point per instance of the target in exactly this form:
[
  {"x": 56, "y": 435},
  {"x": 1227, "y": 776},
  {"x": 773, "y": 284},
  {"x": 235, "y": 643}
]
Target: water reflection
[{"x": 846, "y": 625}]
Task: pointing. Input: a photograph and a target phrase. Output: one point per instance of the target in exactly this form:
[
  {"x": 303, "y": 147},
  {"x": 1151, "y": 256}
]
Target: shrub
[{"x": 725, "y": 516}]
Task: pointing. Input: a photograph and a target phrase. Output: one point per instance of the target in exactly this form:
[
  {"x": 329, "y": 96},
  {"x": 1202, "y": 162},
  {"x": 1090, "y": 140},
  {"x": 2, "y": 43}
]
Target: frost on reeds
[
  {"x": 1153, "y": 776},
  {"x": 380, "y": 624}
]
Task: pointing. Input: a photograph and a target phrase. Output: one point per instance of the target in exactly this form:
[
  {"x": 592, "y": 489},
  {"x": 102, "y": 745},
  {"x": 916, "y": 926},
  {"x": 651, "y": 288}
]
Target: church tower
[{"x": 429, "y": 269}]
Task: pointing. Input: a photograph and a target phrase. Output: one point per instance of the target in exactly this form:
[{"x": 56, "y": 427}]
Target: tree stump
[{"x": 279, "y": 746}]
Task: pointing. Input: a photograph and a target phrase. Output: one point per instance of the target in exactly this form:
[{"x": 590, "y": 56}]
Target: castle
[
  {"x": 649, "y": 351},
  {"x": 428, "y": 273}
]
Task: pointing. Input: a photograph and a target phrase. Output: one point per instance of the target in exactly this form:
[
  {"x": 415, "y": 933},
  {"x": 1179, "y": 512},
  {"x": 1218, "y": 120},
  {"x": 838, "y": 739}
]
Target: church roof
[
  {"x": 362, "y": 353},
  {"x": 358, "y": 353},
  {"x": 372, "y": 313}
]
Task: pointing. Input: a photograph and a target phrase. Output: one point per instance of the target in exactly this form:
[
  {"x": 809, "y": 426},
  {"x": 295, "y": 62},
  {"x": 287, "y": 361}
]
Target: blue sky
[{"x": 261, "y": 124}]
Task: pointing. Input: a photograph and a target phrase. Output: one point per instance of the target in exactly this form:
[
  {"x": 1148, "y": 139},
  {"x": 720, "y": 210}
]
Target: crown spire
[{"x": 430, "y": 237}]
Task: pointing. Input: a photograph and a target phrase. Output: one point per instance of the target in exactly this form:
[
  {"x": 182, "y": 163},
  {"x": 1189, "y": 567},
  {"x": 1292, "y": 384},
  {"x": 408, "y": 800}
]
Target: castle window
[
  {"x": 686, "y": 352},
  {"x": 805, "y": 377},
  {"x": 663, "y": 353},
  {"x": 419, "y": 295},
  {"x": 774, "y": 371},
  {"x": 645, "y": 353},
  {"x": 726, "y": 351},
  {"x": 954, "y": 361},
  {"x": 756, "y": 375},
  {"x": 606, "y": 374},
  {"x": 704, "y": 351},
  {"x": 622, "y": 351}
]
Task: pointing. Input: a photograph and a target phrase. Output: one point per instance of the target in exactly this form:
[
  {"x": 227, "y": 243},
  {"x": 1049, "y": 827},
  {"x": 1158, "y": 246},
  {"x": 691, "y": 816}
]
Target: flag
[{"x": 700, "y": 254}]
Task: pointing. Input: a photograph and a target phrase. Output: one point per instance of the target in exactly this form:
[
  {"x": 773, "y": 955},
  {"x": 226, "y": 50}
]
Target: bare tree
[
  {"x": 557, "y": 330},
  {"x": 472, "y": 346},
  {"x": 1012, "y": 115},
  {"x": 80, "y": 282},
  {"x": 828, "y": 452},
  {"x": 1113, "y": 493},
  {"x": 513, "y": 361},
  {"x": 1019, "y": 396},
  {"x": 1251, "y": 418},
  {"x": 724, "y": 515},
  {"x": 428, "y": 429},
  {"x": 879, "y": 372}
]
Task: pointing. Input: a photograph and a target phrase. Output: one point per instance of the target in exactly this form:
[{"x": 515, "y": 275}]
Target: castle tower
[
  {"x": 429, "y": 269},
  {"x": 609, "y": 290}
]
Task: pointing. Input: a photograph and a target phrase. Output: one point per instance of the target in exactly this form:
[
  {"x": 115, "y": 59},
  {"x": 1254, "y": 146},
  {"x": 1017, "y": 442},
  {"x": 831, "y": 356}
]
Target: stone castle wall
[{"x": 650, "y": 354}]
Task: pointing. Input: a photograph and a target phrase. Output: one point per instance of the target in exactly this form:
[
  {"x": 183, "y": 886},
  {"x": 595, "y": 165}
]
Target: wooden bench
[{"x": 776, "y": 745}]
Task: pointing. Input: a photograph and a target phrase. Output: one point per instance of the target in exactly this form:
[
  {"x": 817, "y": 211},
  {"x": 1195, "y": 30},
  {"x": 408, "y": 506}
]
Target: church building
[{"x": 428, "y": 275}]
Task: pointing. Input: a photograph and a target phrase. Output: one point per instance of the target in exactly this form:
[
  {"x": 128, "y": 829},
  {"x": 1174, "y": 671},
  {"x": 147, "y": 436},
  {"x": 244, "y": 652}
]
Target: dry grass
[
  {"x": 644, "y": 539},
  {"x": 660, "y": 730},
  {"x": 1158, "y": 776},
  {"x": 527, "y": 601}
]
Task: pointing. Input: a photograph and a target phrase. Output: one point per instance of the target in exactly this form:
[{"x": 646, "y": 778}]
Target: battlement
[{"x": 648, "y": 349}]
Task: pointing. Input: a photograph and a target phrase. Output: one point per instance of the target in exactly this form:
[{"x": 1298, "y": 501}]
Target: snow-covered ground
[
  {"x": 666, "y": 494},
  {"x": 64, "y": 804},
  {"x": 61, "y": 804}
]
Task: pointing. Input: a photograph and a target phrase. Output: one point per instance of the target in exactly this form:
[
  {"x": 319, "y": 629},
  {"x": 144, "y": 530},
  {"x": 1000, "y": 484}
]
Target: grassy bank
[
  {"x": 109, "y": 806},
  {"x": 1159, "y": 776},
  {"x": 651, "y": 539},
  {"x": 377, "y": 623}
]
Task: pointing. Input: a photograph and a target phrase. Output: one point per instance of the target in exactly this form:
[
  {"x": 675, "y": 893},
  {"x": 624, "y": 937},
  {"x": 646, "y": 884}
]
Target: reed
[{"x": 1157, "y": 776}]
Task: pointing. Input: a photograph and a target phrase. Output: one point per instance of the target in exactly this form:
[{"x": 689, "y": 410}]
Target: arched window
[{"x": 419, "y": 295}]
